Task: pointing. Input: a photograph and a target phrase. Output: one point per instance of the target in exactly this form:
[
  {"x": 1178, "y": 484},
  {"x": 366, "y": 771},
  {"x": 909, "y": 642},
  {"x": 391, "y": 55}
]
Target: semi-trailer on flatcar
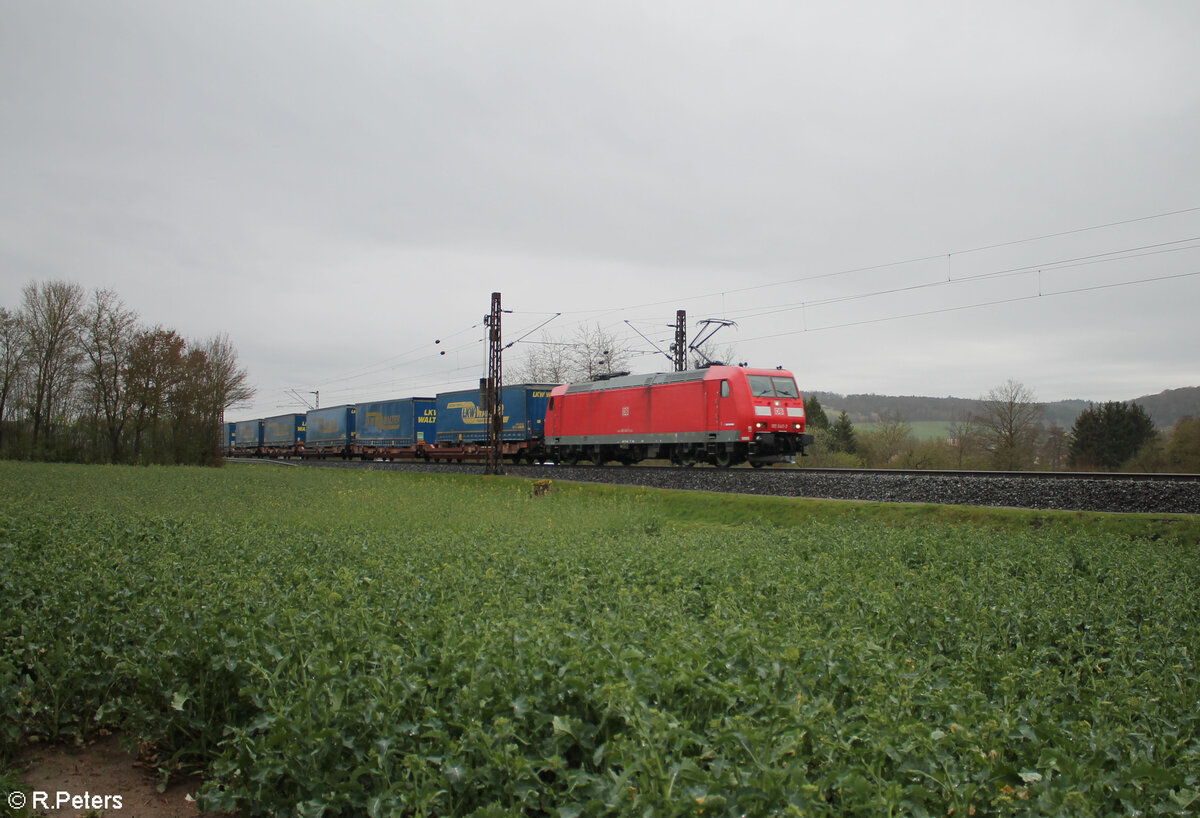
[{"x": 330, "y": 431}]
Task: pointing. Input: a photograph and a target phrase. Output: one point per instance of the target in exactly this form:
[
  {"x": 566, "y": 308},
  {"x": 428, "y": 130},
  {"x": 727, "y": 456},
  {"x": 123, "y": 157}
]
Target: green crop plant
[{"x": 326, "y": 642}]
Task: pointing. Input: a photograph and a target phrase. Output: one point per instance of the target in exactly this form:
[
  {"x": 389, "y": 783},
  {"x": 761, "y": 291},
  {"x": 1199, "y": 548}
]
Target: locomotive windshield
[{"x": 773, "y": 386}]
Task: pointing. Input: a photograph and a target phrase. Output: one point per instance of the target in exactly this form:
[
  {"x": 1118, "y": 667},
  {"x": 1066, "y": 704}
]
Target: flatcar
[{"x": 722, "y": 415}]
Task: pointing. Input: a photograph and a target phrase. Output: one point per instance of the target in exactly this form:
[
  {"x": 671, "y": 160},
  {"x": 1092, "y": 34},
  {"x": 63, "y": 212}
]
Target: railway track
[{"x": 1071, "y": 491}]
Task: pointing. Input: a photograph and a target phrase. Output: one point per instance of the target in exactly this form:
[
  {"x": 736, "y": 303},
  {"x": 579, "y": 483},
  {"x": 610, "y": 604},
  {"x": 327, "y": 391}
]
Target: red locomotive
[{"x": 722, "y": 415}]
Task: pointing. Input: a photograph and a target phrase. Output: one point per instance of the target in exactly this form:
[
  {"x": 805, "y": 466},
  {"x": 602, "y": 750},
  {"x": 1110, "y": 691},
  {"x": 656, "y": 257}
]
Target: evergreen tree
[
  {"x": 815, "y": 416},
  {"x": 1106, "y": 436},
  {"x": 841, "y": 435}
]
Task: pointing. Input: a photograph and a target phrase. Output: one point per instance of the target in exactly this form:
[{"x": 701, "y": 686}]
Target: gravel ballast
[{"x": 1116, "y": 493}]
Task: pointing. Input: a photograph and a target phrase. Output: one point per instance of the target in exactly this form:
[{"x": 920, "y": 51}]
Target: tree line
[
  {"x": 1008, "y": 433},
  {"x": 82, "y": 379}
]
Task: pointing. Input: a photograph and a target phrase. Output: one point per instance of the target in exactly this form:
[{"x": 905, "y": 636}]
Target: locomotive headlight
[
  {"x": 797, "y": 426},
  {"x": 760, "y": 425}
]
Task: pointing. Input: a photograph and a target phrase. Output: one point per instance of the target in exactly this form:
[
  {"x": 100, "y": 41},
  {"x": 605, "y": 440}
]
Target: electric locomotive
[{"x": 722, "y": 415}]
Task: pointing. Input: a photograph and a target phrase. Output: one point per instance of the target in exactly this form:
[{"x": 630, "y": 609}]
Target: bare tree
[
  {"x": 545, "y": 361},
  {"x": 711, "y": 353},
  {"x": 51, "y": 313},
  {"x": 598, "y": 353},
  {"x": 1011, "y": 423},
  {"x": 889, "y": 439},
  {"x": 155, "y": 364},
  {"x": 12, "y": 359},
  {"x": 593, "y": 352},
  {"x": 225, "y": 385},
  {"x": 966, "y": 439},
  {"x": 108, "y": 334}
]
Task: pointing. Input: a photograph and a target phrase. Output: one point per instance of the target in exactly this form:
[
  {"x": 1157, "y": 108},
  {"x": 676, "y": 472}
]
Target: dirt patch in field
[{"x": 98, "y": 769}]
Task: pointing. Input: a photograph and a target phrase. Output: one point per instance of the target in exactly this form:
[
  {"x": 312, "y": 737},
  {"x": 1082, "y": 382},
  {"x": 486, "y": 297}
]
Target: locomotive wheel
[
  {"x": 758, "y": 464},
  {"x": 723, "y": 459},
  {"x": 572, "y": 458},
  {"x": 599, "y": 457},
  {"x": 684, "y": 456}
]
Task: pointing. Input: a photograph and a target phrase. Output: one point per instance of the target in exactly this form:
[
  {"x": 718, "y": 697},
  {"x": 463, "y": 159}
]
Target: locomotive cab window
[
  {"x": 760, "y": 386},
  {"x": 724, "y": 389},
  {"x": 785, "y": 387},
  {"x": 772, "y": 386}
]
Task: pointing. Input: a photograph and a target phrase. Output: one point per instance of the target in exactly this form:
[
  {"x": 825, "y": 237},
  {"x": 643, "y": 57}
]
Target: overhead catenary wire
[
  {"x": 960, "y": 307},
  {"x": 624, "y": 330}
]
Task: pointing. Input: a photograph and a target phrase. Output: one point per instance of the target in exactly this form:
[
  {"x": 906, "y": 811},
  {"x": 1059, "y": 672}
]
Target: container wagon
[
  {"x": 247, "y": 437},
  {"x": 395, "y": 428},
  {"x": 462, "y": 422},
  {"x": 283, "y": 435},
  {"x": 330, "y": 432}
]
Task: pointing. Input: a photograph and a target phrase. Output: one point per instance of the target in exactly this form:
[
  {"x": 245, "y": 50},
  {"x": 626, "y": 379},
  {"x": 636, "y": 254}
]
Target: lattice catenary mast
[
  {"x": 680, "y": 346},
  {"x": 495, "y": 410}
]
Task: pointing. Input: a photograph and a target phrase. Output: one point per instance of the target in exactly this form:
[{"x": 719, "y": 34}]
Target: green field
[
  {"x": 921, "y": 429},
  {"x": 326, "y": 642}
]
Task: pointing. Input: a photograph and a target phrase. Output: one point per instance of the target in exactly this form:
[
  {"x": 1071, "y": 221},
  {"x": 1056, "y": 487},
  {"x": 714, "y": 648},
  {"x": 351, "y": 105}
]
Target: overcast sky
[{"x": 906, "y": 198}]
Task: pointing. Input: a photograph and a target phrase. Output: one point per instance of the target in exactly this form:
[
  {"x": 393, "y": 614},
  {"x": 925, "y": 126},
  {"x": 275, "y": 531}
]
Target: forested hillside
[{"x": 1166, "y": 408}]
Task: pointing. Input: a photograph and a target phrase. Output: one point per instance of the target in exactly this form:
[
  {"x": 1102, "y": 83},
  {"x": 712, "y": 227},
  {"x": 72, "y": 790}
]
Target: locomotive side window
[
  {"x": 551, "y": 404},
  {"x": 785, "y": 387},
  {"x": 724, "y": 389},
  {"x": 760, "y": 386}
]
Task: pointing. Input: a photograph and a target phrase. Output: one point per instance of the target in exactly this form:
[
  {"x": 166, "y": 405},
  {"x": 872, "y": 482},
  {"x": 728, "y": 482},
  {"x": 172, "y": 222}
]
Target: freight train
[{"x": 723, "y": 415}]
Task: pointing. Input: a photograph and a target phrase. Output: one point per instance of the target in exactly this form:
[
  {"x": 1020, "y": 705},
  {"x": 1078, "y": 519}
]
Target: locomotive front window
[
  {"x": 785, "y": 387},
  {"x": 760, "y": 386},
  {"x": 768, "y": 386}
]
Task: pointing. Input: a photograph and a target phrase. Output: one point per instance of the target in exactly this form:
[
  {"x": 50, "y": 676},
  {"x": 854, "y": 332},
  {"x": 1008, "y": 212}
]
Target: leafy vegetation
[{"x": 322, "y": 642}]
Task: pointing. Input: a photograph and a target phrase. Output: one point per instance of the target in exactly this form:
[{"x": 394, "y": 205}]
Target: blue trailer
[
  {"x": 247, "y": 436},
  {"x": 330, "y": 431},
  {"x": 462, "y": 417},
  {"x": 283, "y": 434},
  {"x": 395, "y": 424},
  {"x": 227, "y": 438}
]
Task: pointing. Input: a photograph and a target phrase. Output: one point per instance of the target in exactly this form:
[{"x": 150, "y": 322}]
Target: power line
[
  {"x": 1061, "y": 264},
  {"x": 961, "y": 307},
  {"x": 620, "y": 329},
  {"x": 899, "y": 263}
]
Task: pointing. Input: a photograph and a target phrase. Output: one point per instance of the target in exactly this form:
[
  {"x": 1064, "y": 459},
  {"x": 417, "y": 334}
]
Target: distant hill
[
  {"x": 1166, "y": 408},
  {"x": 1171, "y": 405}
]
